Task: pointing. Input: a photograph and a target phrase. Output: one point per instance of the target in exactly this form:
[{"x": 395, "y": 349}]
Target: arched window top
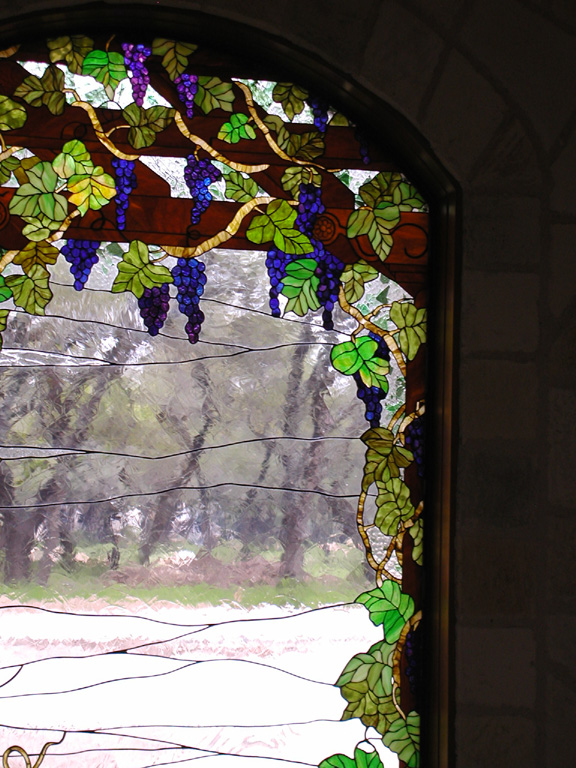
[{"x": 136, "y": 163}]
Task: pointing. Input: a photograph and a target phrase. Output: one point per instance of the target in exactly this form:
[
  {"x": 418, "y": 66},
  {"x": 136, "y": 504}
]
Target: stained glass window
[{"x": 213, "y": 315}]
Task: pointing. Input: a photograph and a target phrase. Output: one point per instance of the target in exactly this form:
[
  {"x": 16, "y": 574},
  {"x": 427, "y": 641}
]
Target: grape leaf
[
  {"x": 277, "y": 225},
  {"x": 212, "y": 94},
  {"x": 91, "y": 191},
  {"x": 37, "y": 196},
  {"x": 39, "y": 227},
  {"x": 360, "y": 222},
  {"x": 306, "y": 146},
  {"x": 384, "y": 458},
  {"x": 174, "y": 55},
  {"x": 72, "y": 50},
  {"x": 338, "y": 761},
  {"x": 107, "y": 67},
  {"x": 300, "y": 285},
  {"x": 6, "y": 167},
  {"x": 386, "y": 217},
  {"x": 5, "y": 292},
  {"x": 388, "y": 606},
  {"x": 372, "y": 710},
  {"x": 339, "y": 119},
  {"x": 46, "y": 90},
  {"x": 32, "y": 291},
  {"x": 146, "y": 123},
  {"x": 411, "y": 323},
  {"x": 375, "y": 667},
  {"x": 36, "y": 253},
  {"x": 407, "y": 197},
  {"x": 275, "y": 124},
  {"x": 367, "y": 759},
  {"x": 360, "y": 356},
  {"x": 403, "y": 737},
  {"x": 393, "y": 505},
  {"x": 291, "y": 97},
  {"x": 74, "y": 159},
  {"x": 299, "y": 174},
  {"x": 379, "y": 189},
  {"x": 3, "y": 322},
  {"x": 416, "y": 530},
  {"x": 240, "y": 188},
  {"x": 12, "y": 114},
  {"x": 354, "y": 277},
  {"x": 136, "y": 272},
  {"x": 236, "y": 128}
]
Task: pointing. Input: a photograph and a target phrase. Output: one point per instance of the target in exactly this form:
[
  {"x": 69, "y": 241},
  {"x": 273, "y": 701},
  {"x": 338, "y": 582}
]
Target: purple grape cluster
[
  {"x": 320, "y": 111},
  {"x": 414, "y": 441},
  {"x": 199, "y": 174},
  {"x": 187, "y": 86},
  {"x": 154, "y": 305},
  {"x": 276, "y": 263},
  {"x": 372, "y": 396},
  {"x": 134, "y": 60},
  {"x": 81, "y": 255},
  {"x": 413, "y": 650},
  {"x": 329, "y": 270},
  {"x": 190, "y": 278},
  {"x": 125, "y": 179}
]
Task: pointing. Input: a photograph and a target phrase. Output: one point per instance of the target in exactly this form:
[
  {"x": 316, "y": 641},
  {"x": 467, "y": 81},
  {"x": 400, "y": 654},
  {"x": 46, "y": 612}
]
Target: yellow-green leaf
[
  {"x": 93, "y": 191},
  {"x": 32, "y": 291},
  {"x": 42, "y": 253},
  {"x": 174, "y": 55},
  {"x": 12, "y": 114},
  {"x": 71, "y": 49}
]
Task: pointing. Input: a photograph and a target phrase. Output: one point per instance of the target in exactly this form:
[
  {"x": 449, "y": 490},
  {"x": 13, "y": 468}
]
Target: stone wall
[{"x": 490, "y": 85}]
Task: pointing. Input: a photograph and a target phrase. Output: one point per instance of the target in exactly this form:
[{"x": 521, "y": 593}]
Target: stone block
[
  {"x": 464, "y": 112},
  {"x": 500, "y": 35},
  {"x": 562, "y": 444},
  {"x": 560, "y": 542},
  {"x": 496, "y": 576},
  {"x": 499, "y": 311},
  {"x": 559, "y": 711},
  {"x": 562, "y": 259},
  {"x": 502, "y": 231},
  {"x": 496, "y": 741},
  {"x": 498, "y": 400},
  {"x": 495, "y": 667}
]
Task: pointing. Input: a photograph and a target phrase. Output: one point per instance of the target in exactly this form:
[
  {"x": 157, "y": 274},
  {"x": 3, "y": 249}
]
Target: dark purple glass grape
[
  {"x": 413, "y": 651},
  {"x": 187, "y": 86},
  {"x": 126, "y": 183},
  {"x": 414, "y": 441},
  {"x": 134, "y": 58},
  {"x": 371, "y": 397},
  {"x": 319, "y": 109},
  {"x": 199, "y": 174},
  {"x": 81, "y": 255},
  {"x": 154, "y": 305},
  {"x": 190, "y": 278},
  {"x": 363, "y": 146}
]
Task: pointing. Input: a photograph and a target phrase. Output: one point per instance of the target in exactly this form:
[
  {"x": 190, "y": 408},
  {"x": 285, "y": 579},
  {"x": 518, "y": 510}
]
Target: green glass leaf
[
  {"x": 278, "y": 127},
  {"x": 306, "y": 298},
  {"x": 374, "y": 372},
  {"x": 3, "y": 322},
  {"x": 236, "y": 128},
  {"x": 277, "y": 225},
  {"x": 174, "y": 55},
  {"x": 7, "y": 166},
  {"x": 360, "y": 222},
  {"x": 407, "y": 197},
  {"x": 291, "y": 97},
  {"x": 146, "y": 123},
  {"x": 388, "y": 606},
  {"x": 239, "y": 187},
  {"x": 339, "y": 119},
  {"x": 411, "y": 323},
  {"x": 107, "y": 67},
  {"x": 345, "y": 358},
  {"x": 91, "y": 191},
  {"x": 71, "y": 49},
  {"x": 384, "y": 458},
  {"x": 380, "y": 188},
  {"x": 46, "y": 90},
  {"x": 36, "y": 253},
  {"x": 385, "y": 217},
  {"x": 366, "y": 347},
  {"x": 136, "y": 272},
  {"x": 212, "y": 94},
  {"x": 393, "y": 505},
  {"x": 12, "y": 114},
  {"x": 354, "y": 277},
  {"x": 416, "y": 530},
  {"x": 5, "y": 292},
  {"x": 293, "y": 177},
  {"x": 373, "y": 711},
  {"x": 43, "y": 177},
  {"x": 302, "y": 269},
  {"x": 338, "y": 761},
  {"x": 73, "y": 160},
  {"x": 306, "y": 146},
  {"x": 36, "y": 198},
  {"x": 403, "y": 738},
  {"x": 367, "y": 759},
  {"x": 32, "y": 291},
  {"x": 39, "y": 228}
]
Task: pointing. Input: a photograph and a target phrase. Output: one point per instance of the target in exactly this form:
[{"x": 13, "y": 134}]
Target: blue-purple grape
[
  {"x": 319, "y": 109},
  {"x": 372, "y": 396},
  {"x": 276, "y": 263},
  {"x": 154, "y": 305},
  {"x": 81, "y": 255},
  {"x": 134, "y": 58},
  {"x": 329, "y": 270},
  {"x": 199, "y": 174},
  {"x": 413, "y": 651},
  {"x": 414, "y": 441},
  {"x": 190, "y": 278},
  {"x": 126, "y": 183},
  {"x": 187, "y": 86}
]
